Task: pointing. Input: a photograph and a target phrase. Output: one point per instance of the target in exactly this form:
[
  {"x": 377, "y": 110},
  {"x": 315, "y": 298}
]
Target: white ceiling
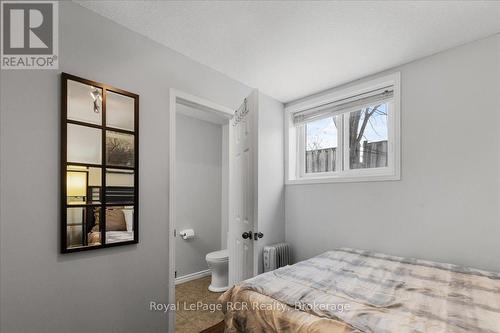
[{"x": 289, "y": 49}]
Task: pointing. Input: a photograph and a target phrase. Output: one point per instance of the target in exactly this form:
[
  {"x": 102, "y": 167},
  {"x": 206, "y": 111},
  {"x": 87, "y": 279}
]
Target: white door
[{"x": 242, "y": 175}]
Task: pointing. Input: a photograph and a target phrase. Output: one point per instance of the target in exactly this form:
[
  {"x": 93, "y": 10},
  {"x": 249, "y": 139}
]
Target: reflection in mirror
[
  {"x": 84, "y": 102},
  {"x": 83, "y": 185},
  {"x": 76, "y": 187},
  {"x": 119, "y": 149},
  {"x": 84, "y": 144},
  {"x": 99, "y": 156},
  {"x": 119, "y": 111},
  {"x": 82, "y": 227},
  {"x": 119, "y": 186},
  {"x": 119, "y": 224}
]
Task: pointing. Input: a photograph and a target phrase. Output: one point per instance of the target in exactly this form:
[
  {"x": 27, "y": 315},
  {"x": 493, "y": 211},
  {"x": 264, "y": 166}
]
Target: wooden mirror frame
[{"x": 103, "y": 204}]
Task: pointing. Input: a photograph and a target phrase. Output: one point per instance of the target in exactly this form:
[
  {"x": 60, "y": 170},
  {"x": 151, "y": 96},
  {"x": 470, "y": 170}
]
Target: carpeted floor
[{"x": 187, "y": 295}]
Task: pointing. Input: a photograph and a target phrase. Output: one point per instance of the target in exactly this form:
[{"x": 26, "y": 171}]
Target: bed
[{"x": 348, "y": 290}]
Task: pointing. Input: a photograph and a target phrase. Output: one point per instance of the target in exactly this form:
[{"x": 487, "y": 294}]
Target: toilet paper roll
[{"x": 187, "y": 233}]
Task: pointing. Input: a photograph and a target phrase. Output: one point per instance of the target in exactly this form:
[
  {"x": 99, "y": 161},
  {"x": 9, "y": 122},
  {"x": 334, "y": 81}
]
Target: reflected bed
[{"x": 111, "y": 237}]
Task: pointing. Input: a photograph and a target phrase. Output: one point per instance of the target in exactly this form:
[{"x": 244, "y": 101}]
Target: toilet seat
[{"x": 222, "y": 255}]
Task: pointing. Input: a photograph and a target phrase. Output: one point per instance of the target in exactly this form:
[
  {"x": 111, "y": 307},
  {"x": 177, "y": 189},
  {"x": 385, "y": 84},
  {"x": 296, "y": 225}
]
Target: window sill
[{"x": 343, "y": 179}]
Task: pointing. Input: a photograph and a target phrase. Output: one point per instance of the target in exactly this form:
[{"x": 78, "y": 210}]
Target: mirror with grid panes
[{"x": 99, "y": 165}]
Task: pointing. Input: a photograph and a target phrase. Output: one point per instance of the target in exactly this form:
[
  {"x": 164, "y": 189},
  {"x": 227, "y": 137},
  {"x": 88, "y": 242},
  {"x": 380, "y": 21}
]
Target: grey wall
[
  {"x": 446, "y": 206},
  {"x": 270, "y": 188},
  {"x": 98, "y": 291},
  {"x": 198, "y": 192}
]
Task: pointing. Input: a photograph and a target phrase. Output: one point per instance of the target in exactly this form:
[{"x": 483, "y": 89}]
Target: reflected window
[{"x": 119, "y": 149}]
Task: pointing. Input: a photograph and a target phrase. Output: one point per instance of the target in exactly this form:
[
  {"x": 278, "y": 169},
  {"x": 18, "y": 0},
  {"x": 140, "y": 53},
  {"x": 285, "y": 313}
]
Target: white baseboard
[{"x": 192, "y": 276}]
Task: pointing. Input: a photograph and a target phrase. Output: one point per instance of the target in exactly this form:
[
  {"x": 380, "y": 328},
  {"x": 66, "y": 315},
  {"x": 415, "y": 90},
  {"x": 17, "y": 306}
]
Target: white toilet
[{"x": 218, "y": 262}]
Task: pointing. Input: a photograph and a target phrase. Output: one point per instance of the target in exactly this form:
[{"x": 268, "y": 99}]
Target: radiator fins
[{"x": 276, "y": 256}]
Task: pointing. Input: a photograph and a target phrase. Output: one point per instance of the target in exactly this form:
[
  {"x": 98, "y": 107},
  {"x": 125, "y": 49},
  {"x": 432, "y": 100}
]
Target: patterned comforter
[{"x": 368, "y": 292}]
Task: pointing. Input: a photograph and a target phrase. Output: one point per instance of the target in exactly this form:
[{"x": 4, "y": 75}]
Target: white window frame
[{"x": 295, "y": 137}]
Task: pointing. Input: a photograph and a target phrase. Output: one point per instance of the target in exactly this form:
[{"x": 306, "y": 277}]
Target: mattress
[{"x": 348, "y": 290}]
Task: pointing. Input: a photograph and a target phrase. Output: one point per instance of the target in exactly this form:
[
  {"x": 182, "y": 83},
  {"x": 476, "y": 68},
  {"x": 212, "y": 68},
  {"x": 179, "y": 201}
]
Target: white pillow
[{"x": 129, "y": 218}]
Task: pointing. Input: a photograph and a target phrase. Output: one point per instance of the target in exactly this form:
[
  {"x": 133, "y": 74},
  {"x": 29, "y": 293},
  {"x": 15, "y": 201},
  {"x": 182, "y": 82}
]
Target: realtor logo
[{"x": 29, "y": 35}]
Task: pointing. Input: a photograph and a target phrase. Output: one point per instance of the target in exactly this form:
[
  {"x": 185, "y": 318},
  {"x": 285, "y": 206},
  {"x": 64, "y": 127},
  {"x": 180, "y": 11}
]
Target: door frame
[{"x": 204, "y": 105}]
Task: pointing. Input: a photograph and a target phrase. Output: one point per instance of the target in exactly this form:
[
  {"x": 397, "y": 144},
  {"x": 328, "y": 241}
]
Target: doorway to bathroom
[
  {"x": 201, "y": 265},
  {"x": 199, "y": 210}
]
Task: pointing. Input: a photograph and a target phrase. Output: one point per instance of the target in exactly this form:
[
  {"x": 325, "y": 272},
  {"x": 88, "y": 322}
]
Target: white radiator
[{"x": 276, "y": 256}]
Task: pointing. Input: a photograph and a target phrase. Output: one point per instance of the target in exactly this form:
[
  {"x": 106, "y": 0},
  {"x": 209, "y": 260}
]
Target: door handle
[
  {"x": 257, "y": 235},
  {"x": 247, "y": 235}
]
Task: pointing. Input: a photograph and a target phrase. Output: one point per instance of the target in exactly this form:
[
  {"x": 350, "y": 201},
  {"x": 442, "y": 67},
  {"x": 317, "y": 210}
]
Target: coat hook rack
[{"x": 240, "y": 113}]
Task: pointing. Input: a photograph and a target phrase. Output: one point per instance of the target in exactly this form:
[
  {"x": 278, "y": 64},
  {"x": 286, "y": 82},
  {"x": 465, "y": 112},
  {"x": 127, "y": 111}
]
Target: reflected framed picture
[
  {"x": 119, "y": 149},
  {"x": 99, "y": 165}
]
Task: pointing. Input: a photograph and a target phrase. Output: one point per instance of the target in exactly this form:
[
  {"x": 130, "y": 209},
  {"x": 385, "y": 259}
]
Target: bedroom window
[{"x": 347, "y": 135}]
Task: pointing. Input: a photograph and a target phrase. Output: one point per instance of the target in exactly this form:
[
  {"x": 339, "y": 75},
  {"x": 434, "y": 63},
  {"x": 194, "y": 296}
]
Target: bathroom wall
[{"x": 198, "y": 192}]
